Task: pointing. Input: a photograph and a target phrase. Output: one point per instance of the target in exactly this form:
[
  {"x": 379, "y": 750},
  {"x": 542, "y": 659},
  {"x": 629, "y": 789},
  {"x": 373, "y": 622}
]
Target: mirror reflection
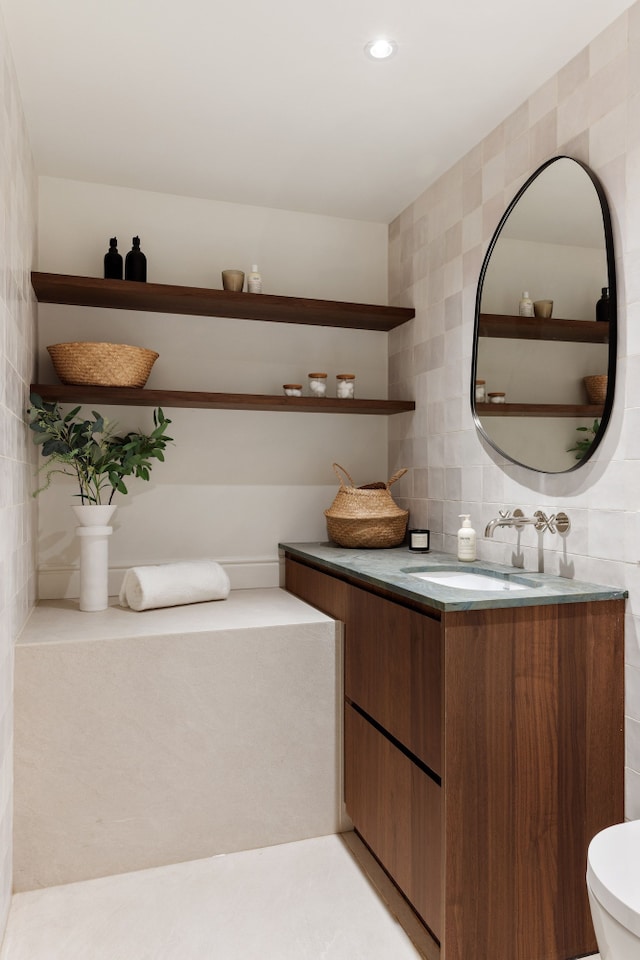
[{"x": 544, "y": 348}]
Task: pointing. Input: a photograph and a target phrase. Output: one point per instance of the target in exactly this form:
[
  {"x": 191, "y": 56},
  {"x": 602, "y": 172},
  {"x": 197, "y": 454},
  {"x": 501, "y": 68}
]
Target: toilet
[{"x": 613, "y": 885}]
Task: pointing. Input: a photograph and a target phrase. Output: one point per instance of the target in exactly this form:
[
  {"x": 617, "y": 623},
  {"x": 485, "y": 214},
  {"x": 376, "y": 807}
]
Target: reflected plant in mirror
[
  {"x": 583, "y": 444},
  {"x": 554, "y": 244}
]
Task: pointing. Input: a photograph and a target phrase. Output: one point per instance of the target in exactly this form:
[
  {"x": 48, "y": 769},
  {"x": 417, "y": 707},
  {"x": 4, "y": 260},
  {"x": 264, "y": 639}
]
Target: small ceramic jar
[
  {"x": 318, "y": 384},
  {"x": 497, "y": 397},
  {"x": 233, "y": 280},
  {"x": 292, "y": 389},
  {"x": 480, "y": 391},
  {"x": 345, "y": 386}
]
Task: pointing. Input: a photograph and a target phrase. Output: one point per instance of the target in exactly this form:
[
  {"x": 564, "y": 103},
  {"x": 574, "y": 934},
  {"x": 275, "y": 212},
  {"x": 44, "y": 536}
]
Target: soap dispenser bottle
[
  {"x": 254, "y": 280},
  {"x": 135, "y": 264},
  {"x": 113, "y": 261},
  {"x": 466, "y": 539},
  {"x": 525, "y": 307}
]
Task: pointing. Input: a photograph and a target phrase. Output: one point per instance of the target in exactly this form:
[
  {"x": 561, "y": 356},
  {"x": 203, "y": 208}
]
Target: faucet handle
[
  {"x": 543, "y": 522},
  {"x": 504, "y": 514},
  {"x": 556, "y": 523},
  {"x": 562, "y": 522},
  {"x": 519, "y": 518}
]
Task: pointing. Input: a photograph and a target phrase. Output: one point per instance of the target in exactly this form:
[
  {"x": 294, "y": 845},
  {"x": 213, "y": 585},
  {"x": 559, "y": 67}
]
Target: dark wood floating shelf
[
  {"x": 203, "y": 302},
  {"x": 539, "y": 409},
  {"x": 131, "y": 396},
  {"x": 535, "y": 328}
]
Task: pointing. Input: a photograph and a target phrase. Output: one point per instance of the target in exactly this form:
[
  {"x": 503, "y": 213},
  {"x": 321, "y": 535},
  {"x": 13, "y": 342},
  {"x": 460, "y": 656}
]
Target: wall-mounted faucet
[{"x": 556, "y": 523}]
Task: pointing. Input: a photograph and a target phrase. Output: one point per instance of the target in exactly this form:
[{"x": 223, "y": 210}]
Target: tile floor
[
  {"x": 309, "y": 900},
  {"x": 319, "y": 899}
]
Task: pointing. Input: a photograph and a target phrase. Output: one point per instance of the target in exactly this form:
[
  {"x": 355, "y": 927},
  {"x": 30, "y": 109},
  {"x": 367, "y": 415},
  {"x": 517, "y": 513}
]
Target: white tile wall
[
  {"x": 17, "y": 348},
  {"x": 591, "y": 111}
]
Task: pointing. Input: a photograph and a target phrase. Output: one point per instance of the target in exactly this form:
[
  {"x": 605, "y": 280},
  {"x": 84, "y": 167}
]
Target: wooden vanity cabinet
[
  {"x": 396, "y": 808},
  {"x": 392, "y": 672},
  {"x": 483, "y": 751}
]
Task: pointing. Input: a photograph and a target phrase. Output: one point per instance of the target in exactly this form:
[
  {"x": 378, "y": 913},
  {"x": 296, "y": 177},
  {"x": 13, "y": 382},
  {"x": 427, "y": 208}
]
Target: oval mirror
[{"x": 542, "y": 386}]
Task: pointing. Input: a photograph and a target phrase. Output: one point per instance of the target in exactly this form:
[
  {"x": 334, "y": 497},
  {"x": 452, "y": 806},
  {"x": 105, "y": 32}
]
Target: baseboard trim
[{"x": 63, "y": 583}]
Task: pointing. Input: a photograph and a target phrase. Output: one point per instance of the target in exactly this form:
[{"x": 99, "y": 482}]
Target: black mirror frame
[{"x": 613, "y": 322}]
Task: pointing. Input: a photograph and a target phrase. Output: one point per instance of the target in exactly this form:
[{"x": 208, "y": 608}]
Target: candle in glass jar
[{"x": 419, "y": 540}]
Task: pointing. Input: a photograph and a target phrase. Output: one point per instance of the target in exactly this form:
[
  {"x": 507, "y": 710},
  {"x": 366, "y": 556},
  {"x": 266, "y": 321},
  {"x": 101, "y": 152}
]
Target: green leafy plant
[
  {"x": 90, "y": 451},
  {"x": 583, "y": 444}
]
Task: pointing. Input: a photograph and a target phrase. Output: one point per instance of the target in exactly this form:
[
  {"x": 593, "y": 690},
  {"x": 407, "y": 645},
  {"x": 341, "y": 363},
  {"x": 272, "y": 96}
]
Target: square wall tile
[{"x": 609, "y": 45}]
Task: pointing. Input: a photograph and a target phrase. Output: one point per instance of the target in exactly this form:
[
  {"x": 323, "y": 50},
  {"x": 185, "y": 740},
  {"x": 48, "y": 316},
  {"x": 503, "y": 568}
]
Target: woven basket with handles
[
  {"x": 366, "y": 516},
  {"x": 102, "y": 364}
]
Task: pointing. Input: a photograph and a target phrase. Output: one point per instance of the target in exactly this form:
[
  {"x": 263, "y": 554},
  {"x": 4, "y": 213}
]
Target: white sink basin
[{"x": 467, "y": 580}]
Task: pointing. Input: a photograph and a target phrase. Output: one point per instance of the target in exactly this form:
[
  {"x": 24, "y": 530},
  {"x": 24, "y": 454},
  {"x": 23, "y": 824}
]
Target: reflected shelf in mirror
[
  {"x": 539, "y": 409},
  {"x": 536, "y": 328}
]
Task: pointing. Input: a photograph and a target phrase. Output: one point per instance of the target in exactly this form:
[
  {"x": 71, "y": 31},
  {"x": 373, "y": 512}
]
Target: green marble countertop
[{"x": 388, "y": 569}]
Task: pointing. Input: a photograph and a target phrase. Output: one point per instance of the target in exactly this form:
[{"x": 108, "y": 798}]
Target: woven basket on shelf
[
  {"x": 366, "y": 516},
  {"x": 102, "y": 364},
  {"x": 596, "y": 388}
]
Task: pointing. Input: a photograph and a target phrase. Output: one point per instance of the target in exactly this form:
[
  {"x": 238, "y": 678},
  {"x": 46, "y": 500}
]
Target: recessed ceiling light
[{"x": 381, "y": 49}]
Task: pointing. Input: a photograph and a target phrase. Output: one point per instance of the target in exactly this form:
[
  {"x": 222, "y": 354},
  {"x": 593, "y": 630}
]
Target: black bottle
[
  {"x": 603, "y": 306},
  {"x": 113, "y": 261},
  {"x": 135, "y": 264}
]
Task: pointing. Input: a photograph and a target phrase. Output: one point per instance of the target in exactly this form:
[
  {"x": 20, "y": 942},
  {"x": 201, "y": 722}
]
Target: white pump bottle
[
  {"x": 466, "y": 539},
  {"x": 254, "y": 280}
]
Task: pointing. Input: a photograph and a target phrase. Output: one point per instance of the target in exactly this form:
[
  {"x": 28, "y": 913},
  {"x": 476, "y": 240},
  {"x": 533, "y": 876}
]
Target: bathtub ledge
[{"x": 60, "y": 621}]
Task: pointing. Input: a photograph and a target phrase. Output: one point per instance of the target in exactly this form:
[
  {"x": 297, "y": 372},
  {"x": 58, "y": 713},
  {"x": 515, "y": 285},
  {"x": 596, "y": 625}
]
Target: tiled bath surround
[
  {"x": 591, "y": 111},
  {"x": 17, "y": 346}
]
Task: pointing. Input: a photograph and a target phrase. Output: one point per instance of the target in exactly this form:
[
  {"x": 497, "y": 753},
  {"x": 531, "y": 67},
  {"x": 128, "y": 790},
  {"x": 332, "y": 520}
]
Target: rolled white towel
[{"x": 172, "y": 584}]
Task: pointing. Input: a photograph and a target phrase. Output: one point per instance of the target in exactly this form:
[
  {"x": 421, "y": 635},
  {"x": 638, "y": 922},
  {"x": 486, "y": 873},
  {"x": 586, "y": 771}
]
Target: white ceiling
[{"x": 275, "y": 104}]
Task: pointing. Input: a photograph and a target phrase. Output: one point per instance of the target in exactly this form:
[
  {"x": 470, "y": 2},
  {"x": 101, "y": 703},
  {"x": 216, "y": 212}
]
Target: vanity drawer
[
  {"x": 396, "y": 808},
  {"x": 393, "y": 672},
  {"x": 322, "y": 591}
]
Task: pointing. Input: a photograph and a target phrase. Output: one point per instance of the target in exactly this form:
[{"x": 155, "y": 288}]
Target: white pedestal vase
[{"x": 94, "y": 534}]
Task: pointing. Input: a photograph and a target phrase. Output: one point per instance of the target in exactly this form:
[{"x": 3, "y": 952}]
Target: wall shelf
[
  {"x": 539, "y": 409},
  {"x": 196, "y": 301},
  {"x": 130, "y": 396},
  {"x": 201, "y": 301},
  {"x": 535, "y": 328}
]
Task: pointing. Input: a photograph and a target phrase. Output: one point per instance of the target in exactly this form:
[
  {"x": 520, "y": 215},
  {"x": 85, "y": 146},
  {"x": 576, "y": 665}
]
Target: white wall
[
  {"x": 17, "y": 510},
  {"x": 590, "y": 110},
  {"x": 236, "y": 482}
]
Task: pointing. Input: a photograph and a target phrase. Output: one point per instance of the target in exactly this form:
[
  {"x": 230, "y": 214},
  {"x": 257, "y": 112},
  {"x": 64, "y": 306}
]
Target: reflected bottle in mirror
[
  {"x": 603, "y": 306},
  {"x": 525, "y": 307}
]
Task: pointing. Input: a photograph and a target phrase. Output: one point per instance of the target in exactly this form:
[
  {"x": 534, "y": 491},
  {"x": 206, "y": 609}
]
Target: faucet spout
[
  {"x": 504, "y": 519},
  {"x": 490, "y": 527}
]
